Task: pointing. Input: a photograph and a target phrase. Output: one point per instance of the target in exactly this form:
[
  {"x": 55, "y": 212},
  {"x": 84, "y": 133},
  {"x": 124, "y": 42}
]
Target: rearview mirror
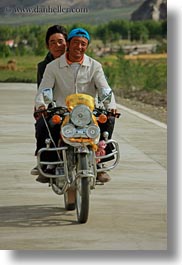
[
  {"x": 47, "y": 95},
  {"x": 105, "y": 97}
]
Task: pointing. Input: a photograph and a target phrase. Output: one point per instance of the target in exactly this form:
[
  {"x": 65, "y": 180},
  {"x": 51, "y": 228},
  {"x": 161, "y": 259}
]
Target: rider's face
[
  {"x": 77, "y": 47},
  {"x": 57, "y": 45}
]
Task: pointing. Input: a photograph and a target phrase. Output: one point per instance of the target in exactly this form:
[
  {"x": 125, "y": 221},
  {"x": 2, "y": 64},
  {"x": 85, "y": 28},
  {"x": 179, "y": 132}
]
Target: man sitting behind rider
[
  {"x": 55, "y": 39},
  {"x": 75, "y": 72}
]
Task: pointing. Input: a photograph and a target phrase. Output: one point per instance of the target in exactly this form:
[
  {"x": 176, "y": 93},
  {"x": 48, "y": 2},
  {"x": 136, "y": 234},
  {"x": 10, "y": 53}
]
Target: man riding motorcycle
[{"x": 74, "y": 72}]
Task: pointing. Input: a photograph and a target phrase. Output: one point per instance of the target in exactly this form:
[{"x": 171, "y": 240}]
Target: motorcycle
[{"x": 80, "y": 153}]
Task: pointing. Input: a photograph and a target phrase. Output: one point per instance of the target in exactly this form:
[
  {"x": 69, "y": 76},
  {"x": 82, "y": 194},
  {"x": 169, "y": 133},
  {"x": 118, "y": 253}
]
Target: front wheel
[{"x": 82, "y": 190}]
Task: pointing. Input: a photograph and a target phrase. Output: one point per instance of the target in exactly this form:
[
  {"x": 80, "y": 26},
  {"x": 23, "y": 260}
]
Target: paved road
[{"x": 129, "y": 213}]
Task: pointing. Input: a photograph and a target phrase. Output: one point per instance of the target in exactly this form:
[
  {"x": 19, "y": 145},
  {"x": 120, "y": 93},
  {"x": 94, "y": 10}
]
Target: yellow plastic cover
[{"x": 77, "y": 99}]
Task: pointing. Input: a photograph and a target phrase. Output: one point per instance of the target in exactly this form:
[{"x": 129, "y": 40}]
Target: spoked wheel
[
  {"x": 69, "y": 199},
  {"x": 82, "y": 191}
]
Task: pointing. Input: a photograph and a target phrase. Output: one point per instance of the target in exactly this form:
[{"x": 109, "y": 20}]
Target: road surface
[{"x": 128, "y": 213}]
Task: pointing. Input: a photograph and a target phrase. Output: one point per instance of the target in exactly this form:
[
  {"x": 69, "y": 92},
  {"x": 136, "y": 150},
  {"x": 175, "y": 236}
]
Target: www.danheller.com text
[{"x": 45, "y": 10}]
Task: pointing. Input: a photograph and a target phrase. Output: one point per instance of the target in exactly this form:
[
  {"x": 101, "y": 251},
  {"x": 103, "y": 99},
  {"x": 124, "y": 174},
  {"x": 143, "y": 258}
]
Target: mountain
[
  {"x": 20, "y": 12},
  {"x": 151, "y": 9},
  {"x": 90, "y": 4}
]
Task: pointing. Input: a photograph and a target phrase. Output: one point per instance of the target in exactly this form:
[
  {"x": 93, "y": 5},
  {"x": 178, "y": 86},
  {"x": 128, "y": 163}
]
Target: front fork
[{"x": 85, "y": 165}]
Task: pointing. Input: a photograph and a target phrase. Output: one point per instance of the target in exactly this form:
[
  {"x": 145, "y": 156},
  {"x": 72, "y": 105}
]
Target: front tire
[{"x": 82, "y": 191}]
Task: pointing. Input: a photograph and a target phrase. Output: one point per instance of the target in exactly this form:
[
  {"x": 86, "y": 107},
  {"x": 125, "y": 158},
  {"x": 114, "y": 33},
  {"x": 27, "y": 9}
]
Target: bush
[
  {"x": 4, "y": 50},
  {"x": 128, "y": 75}
]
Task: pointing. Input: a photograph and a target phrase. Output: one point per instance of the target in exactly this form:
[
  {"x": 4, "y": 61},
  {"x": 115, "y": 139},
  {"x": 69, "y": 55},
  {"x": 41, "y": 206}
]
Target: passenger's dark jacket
[
  {"x": 40, "y": 71},
  {"x": 41, "y": 67}
]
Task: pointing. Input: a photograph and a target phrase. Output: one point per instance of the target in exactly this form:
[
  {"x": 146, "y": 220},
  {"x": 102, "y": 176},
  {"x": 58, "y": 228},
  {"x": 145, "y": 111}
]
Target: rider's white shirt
[{"x": 61, "y": 77}]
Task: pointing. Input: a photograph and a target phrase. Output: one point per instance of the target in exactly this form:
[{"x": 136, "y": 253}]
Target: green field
[
  {"x": 126, "y": 75},
  {"x": 25, "y": 72}
]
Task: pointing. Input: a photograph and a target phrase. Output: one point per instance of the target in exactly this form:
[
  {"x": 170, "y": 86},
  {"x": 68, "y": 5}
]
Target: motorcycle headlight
[
  {"x": 81, "y": 115},
  {"x": 68, "y": 130},
  {"x": 93, "y": 131}
]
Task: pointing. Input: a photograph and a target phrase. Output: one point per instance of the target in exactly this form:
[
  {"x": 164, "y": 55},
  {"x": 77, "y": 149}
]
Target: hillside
[
  {"x": 90, "y": 4},
  {"x": 151, "y": 9},
  {"x": 67, "y": 11}
]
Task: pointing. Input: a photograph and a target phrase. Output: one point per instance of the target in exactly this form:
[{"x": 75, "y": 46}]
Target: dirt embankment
[{"x": 149, "y": 103}]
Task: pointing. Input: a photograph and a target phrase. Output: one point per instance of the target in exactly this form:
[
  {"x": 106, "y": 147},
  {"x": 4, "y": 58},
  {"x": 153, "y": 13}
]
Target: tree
[
  {"x": 153, "y": 27},
  {"x": 5, "y": 33},
  {"x": 40, "y": 49},
  {"x": 119, "y": 26},
  {"x": 138, "y": 31}
]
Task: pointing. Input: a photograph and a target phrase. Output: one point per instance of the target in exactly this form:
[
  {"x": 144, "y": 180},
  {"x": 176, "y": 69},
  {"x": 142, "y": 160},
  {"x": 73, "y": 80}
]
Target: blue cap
[{"x": 78, "y": 32}]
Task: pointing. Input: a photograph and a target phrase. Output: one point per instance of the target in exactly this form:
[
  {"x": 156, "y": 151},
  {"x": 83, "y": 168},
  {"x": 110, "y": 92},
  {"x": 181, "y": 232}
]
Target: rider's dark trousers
[
  {"x": 109, "y": 127},
  {"x": 41, "y": 134}
]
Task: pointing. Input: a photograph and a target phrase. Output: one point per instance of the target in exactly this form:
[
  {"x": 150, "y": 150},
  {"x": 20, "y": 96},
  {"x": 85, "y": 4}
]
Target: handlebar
[
  {"x": 64, "y": 110},
  {"x": 52, "y": 110},
  {"x": 108, "y": 113}
]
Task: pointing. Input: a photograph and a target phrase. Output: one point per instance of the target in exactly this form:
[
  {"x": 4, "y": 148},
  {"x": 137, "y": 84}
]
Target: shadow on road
[{"x": 35, "y": 216}]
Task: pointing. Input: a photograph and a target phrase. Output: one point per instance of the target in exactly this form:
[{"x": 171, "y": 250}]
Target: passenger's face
[
  {"x": 57, "y": 45},
  {"x": 77, "y": 47}
]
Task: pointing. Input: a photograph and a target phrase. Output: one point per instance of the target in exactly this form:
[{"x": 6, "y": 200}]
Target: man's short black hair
[{"x": 56, "y": 29}]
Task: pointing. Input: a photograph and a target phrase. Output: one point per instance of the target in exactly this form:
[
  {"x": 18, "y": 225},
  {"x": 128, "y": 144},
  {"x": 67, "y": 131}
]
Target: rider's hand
[
  {"x": 42, "y": 107},
  {"x": 37, "y": 116},
  {"x": 113, "y": 111}
]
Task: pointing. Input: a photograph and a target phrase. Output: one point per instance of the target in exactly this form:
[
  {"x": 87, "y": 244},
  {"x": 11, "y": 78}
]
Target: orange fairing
[
  {"x": 77, "y": 99},
  {"x": 81, "y": 140},
  {"x": 94, "y": 120}
]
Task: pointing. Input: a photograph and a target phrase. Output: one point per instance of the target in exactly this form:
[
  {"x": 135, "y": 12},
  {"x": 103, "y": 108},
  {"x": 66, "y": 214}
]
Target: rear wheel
[{"x": 82, "y": 191}]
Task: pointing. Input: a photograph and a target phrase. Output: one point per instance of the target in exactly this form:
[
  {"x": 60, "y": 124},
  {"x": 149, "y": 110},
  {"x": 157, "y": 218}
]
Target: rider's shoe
[
  {"x": 34, "y": 171},
  {"x": 103, "y": 177},
  {"x": 42, "y": 179},
  {"x": 48, "y": 170}
]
